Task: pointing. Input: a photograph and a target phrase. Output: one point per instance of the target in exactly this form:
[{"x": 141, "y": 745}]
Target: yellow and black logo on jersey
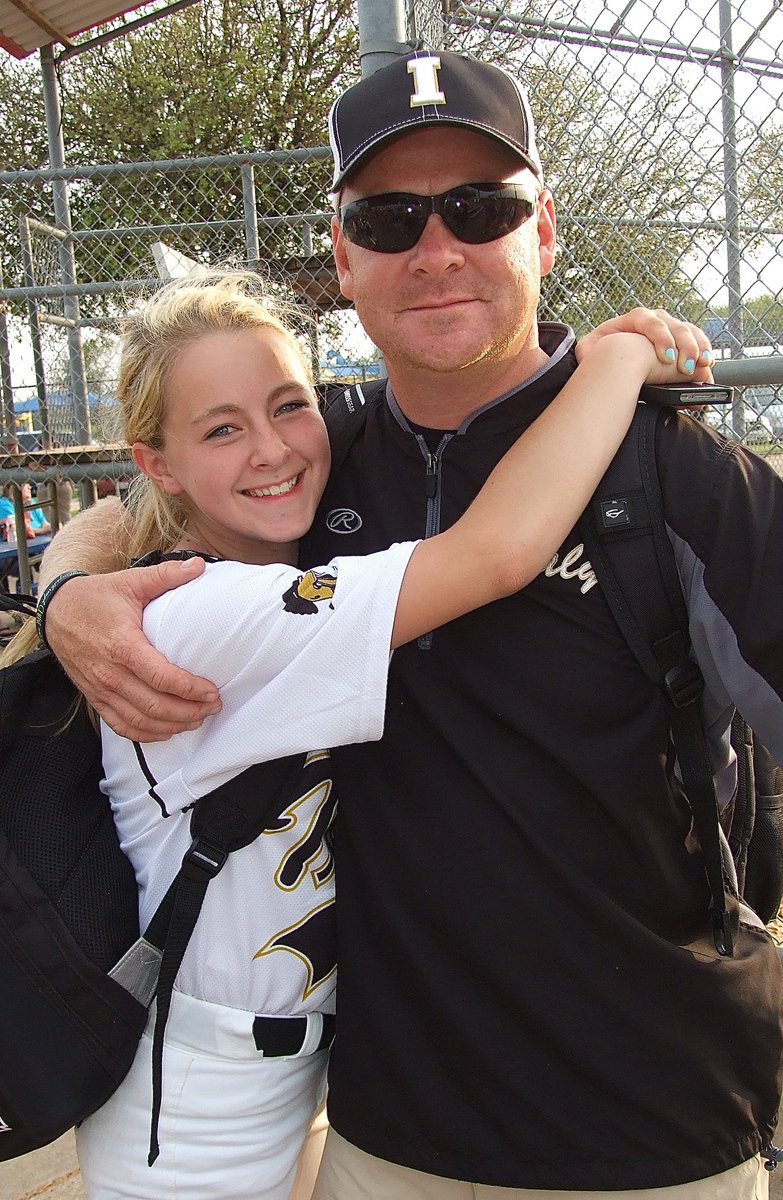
[{"x": 310, "y": 590}]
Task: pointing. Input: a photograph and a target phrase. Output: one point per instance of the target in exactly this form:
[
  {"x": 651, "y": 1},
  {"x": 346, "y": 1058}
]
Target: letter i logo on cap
[{"x": 425, "y": 81}]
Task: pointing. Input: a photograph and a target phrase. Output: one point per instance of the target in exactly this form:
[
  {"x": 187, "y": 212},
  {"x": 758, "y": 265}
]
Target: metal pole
[
  {"x": 22, "y": 557},
  {"x": 62, "y": 219},
  {"x": 747, "y": 372},
  {"x": 6, "y": 387},
  {"x": 382, "y": 33},
  {"x": 251, "y": 218},
  {"x": 734, "y": 322},
  {"x": 35, "y": 333}
]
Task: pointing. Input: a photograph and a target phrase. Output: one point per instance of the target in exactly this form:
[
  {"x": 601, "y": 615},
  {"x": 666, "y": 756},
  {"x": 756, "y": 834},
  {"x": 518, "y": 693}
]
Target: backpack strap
[
  {"x": 625, "y": 535},
  {"x": 18, "y": 602},
  {"x": 228, "y": 818},
  {"x": 345, "y": 415},
  {"x": 743, "y": 807}
]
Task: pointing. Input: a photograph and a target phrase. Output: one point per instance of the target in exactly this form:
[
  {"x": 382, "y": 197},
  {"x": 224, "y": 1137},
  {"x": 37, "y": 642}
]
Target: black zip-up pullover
[{"x": 529, "y": 995}]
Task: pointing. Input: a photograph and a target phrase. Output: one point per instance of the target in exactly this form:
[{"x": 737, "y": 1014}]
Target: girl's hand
[{"x": 682, "y": 350}]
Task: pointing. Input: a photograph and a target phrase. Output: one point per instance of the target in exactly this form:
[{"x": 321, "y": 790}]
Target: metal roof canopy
[{"x": 26, "y": 25}]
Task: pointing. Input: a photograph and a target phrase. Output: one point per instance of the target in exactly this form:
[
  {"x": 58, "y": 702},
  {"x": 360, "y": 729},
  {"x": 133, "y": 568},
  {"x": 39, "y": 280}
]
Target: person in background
[
  {"x": 35, "y": 521},
  {"x": 55, "y": 488}
]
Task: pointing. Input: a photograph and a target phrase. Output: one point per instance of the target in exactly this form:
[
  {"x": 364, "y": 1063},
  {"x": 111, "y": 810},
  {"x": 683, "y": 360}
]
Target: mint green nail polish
[
  {"x": 689, "y": 366},
  {"x": 671, "y": 354}
]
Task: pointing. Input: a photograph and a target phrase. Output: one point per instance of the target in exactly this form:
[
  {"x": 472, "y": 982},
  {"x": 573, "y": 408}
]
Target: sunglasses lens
[
  {"x": 476, "y": 216},
  {"x": 474, "y": 213},
  {"x": 387, "y": 224}
]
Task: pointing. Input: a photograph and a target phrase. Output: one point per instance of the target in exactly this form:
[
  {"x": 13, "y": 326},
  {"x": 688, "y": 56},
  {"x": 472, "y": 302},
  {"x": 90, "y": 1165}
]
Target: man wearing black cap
[
  {"x": 530, "y": 1000},
  {"x": 528, "y": 997}
]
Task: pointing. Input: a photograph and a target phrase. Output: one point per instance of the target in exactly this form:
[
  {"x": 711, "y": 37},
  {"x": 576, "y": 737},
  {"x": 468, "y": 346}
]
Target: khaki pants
[
  {"x": 310, "y": 1158},
  {"x": 347, "y": 1173}
]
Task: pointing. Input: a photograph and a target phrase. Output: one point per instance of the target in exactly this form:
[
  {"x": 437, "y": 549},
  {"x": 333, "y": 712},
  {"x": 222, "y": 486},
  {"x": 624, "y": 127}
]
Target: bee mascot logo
[{"x": 310, "y": 590}]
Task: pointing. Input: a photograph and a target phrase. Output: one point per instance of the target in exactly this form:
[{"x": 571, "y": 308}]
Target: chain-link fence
[{"x": 661, "y": 130}]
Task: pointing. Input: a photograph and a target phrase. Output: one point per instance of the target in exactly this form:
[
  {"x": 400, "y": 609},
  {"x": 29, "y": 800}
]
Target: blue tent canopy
[{"x": 63, "y": 400}]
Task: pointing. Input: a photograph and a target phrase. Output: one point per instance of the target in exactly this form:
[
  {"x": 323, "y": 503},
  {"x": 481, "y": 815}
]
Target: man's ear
[
  {"x": 153, "y": 463},
  {"x": 547, "y": 232},
  {"x": 341, "y": 259}
]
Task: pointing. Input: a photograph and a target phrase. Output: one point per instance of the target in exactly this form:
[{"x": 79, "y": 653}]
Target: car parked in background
[
  {"x": 758, "y": 426},
  {"x": 758, "y": 429}
]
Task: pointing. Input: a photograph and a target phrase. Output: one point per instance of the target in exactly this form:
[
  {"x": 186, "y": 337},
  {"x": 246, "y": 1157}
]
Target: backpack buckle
[
  {"x": 721, "y": 933},
  {"x": 683, "y": 683},
  {"x": 203, "y": 861},
  {"x": 772, "y": 1155}
]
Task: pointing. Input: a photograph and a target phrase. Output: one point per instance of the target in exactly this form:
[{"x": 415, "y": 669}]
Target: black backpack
[
  {"x": 755, "y": 823},
  {"x": 76, "y": 977},
  {"x": 629, "y": 549}
]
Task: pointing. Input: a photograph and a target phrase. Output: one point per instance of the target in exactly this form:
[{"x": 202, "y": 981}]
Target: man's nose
[{"x": 437, "y": 249}]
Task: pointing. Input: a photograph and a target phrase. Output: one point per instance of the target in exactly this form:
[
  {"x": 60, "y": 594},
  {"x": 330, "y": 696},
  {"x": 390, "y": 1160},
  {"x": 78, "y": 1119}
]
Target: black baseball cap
[{"x": 430, "y": 88}]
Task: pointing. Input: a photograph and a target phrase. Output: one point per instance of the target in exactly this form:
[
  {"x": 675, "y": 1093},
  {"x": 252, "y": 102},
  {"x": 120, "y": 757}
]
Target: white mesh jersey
[{"x": 301, "y": 660}]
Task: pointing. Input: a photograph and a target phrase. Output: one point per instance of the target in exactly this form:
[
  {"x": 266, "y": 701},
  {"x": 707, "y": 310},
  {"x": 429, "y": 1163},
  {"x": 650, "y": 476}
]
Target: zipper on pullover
[
  {"x": 432, "y": 492},
  {"x": 433, "y": 466}
]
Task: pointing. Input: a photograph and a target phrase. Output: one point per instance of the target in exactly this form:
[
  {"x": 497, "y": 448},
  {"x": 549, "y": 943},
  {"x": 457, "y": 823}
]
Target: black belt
[{"x": 281, "y": 1037}]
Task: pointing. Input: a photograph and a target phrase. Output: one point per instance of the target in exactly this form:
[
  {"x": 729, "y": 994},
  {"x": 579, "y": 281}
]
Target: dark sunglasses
[{"x": 474, "y": 213}]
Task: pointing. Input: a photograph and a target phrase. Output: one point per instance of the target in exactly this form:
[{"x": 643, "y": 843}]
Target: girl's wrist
[{"x": 631, "y": 353}]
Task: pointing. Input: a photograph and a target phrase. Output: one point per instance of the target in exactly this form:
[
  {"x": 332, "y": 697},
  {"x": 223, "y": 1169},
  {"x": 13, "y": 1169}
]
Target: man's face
[{"x": 445, "y": 305}]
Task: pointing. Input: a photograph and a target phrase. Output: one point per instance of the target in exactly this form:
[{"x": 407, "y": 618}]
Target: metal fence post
[
  {"x": 382, "y": 33},
  {"x": 731, "y": 200},
  {"x": 251, "y": 218},
  {"x": 6, "y": 387},
  {"x": 35, "y": 332},
  {"x": 62, "y": 215}
]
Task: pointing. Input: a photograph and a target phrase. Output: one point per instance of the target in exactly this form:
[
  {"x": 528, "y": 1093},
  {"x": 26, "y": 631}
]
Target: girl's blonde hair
[{"x": 152, "y": 337}]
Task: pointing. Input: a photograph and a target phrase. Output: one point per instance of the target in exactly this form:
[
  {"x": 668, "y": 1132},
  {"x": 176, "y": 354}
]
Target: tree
[
  {"x": 221, "y": 77},
  {"x": 22, "y": 147},
  {"x": 226, "y": 76},
  {"x": 625, "y": 202},
  {"x": 21, "y": 105},
  {"x": 762, "y": 172},
  {"x": 762, "y": 320}
]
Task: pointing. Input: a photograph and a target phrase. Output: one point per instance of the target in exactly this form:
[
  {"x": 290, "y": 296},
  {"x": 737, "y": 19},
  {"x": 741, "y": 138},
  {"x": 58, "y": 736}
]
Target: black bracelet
[{"x": 45, "y": 599}]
